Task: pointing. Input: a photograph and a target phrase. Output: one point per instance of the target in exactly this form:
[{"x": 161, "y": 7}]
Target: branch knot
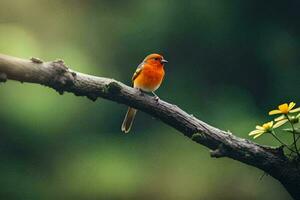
[
  {"x": 219, "y": 152},
  {"x": 63, "y": 77},
  {"x": 36, "y": 60},
  {"x": 3, "y": 77},
  {"x": 113, "y": 87}
]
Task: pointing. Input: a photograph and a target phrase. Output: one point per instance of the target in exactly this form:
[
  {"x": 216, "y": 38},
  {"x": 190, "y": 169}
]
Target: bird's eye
[{"x": 156, "y": 58}]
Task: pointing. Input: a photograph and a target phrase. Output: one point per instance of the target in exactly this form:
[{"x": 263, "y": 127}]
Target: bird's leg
[{"x": 155, "y": 96}]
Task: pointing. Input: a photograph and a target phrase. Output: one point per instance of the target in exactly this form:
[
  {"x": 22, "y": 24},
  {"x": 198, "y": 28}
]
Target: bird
[{"x": 147, "y": 78}]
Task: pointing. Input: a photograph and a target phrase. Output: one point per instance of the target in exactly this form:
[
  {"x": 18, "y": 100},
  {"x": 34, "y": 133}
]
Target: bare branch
[{"x": 58, "y": 76}]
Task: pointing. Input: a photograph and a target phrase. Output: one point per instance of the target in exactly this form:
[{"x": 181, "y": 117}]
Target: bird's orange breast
[{"x": 150, "y": 78}]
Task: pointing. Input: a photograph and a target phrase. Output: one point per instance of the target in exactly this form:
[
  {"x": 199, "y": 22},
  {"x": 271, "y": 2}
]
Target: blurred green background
[{"x": 230, "y": 62}]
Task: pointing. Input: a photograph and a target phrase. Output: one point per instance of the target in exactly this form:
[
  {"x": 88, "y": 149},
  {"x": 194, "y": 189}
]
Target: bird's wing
[{"x": 137, "y": 71}]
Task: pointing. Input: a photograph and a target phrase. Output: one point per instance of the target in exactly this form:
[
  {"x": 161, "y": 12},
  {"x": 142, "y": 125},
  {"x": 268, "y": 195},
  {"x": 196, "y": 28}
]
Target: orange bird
[{"x": 147, "y": 77}]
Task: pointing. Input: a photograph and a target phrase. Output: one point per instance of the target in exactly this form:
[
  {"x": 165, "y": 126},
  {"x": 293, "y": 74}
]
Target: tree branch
[{"x": 58, "y": 76}]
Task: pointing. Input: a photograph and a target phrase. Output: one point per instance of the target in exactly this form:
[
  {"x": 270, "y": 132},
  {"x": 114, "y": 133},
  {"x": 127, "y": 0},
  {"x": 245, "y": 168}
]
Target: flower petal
[
  {"x": 256, "y": 136},
  {"x": 280, "y": 118},
  {"x": 256, "y": 132},
  {"x": 280, "y": 123},
  {"x": 284, "y": 108},
  {"x": 295, "y": 110},
  {"x": 270, "y": 124},
  {"x": 274, "y": 112},
  {"x": 291, "y": 105},
  {"x": 260, "y": 128}
]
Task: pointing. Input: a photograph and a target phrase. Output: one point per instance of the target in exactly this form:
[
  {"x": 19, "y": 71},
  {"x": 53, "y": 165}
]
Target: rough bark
[{"x": 57, "y": 75}]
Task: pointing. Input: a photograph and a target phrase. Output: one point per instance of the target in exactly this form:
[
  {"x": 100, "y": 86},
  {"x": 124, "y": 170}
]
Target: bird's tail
[{"x": 128, "y": 120}]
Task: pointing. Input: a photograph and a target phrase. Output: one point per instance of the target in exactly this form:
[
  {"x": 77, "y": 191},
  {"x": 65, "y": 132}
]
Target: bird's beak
[{"x": 163, "y": 61}]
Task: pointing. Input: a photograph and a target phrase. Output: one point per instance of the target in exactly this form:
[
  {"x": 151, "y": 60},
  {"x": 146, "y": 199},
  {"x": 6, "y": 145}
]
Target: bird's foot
[
  {"x": 155, "y": 97},
  {"x": 141, "y": 92}
]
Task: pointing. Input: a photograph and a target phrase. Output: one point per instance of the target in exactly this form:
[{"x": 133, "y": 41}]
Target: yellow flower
[
  {"x": 285, "y": 118},
  {"x": 265, "y": 128},
  {"x": 285, "y": 109},
  {"x": 281, "y": 119}
]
